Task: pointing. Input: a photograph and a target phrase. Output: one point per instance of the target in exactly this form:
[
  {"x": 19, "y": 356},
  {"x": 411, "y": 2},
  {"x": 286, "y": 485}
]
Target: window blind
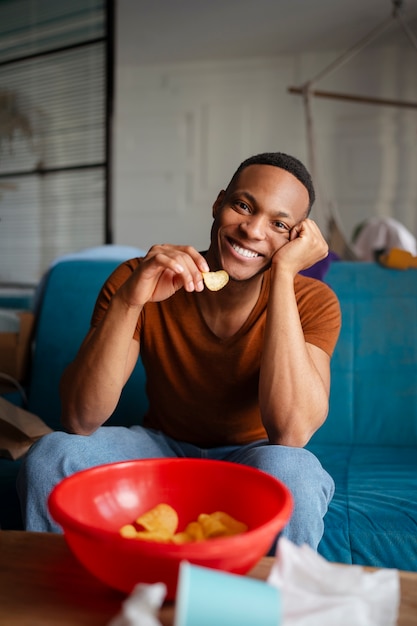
[{"x": 53, "y": 133}]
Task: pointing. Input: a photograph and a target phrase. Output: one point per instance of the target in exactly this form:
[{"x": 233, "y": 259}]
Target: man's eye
[
  {"x": 242, "y": 206},
  {"x": 281, "y": 226}
]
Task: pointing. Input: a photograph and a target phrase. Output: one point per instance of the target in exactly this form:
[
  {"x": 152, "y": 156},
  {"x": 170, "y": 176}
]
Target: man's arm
[
  {"x": 92, "y": 383},
  {"x": 295, "y": 376}
]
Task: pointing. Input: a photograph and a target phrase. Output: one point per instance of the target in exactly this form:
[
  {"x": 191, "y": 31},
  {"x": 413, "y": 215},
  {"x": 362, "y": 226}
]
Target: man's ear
[{"x": 218, "y": 202}]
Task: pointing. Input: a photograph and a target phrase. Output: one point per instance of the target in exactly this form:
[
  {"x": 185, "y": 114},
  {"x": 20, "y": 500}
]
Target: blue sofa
[{"x": 369, "y": 441}]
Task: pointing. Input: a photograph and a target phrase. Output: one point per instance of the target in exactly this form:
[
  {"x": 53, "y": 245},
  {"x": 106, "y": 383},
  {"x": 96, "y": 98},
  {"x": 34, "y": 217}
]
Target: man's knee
[
  {"x": 56, "y": 455},
  {"x": 39, "y": 455},
  {"x": 298, "y": 468},
  {"x": 270, "y": 456}
]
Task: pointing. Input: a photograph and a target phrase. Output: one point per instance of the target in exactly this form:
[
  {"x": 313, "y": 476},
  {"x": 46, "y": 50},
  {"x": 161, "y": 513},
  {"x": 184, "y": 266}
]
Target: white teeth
[{"x": 243, "y": 252}]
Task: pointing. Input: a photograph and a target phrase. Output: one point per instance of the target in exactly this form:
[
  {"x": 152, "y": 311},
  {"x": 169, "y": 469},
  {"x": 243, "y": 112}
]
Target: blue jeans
[{"x": 59, "y": 454}]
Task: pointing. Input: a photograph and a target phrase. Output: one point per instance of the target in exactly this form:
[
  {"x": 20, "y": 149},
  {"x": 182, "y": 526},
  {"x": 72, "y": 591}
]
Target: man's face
[{"x": 253, "y": 219}]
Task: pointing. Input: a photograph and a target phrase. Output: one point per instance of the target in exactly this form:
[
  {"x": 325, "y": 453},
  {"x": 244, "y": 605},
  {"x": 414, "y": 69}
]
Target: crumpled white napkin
[
  {"x": 315, "y": 592},
  {"x": 142, "y": 606}
]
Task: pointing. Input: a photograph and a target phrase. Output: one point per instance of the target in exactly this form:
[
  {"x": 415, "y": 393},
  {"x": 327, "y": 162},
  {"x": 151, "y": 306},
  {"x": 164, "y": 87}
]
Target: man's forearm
[
  {"x": 92, "y": 383},
  {"x": 293, "y": 385}
]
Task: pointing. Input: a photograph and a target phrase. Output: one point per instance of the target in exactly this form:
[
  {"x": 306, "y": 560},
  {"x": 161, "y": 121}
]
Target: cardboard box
[{"x": 15, "y": 347}]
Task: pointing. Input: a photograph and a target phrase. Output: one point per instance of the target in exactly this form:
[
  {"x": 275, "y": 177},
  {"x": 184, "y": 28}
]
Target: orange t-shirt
[{"x": 202, "y": 389}]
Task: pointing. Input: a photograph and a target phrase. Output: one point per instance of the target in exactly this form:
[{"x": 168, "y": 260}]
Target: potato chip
[
  {"x": 160, "y": 524},
  {"x": 211, "y": 527},
  {"x": 183, "y": 537},
  {"x": 195, "y": 531},
  {"x": 215, "y": 280},
  {"x": 156, "y": 535},
  {"x": 233, "y": 526},
  {"x": 128, "y": 531},
  {"x": 161, "y": 519}
]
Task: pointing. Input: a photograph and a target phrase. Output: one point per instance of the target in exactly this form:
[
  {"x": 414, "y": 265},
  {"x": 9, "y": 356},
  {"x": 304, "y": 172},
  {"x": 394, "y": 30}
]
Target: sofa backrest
[
  {"x": 68, "y": 294},
  {"x": 374, "y": 368}
]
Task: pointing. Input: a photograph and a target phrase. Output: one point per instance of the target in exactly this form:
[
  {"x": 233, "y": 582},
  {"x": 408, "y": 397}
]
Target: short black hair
[{"x": 284, "y": 162}]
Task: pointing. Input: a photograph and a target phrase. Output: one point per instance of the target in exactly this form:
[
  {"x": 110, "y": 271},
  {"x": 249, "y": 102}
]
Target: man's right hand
[{"x": 164, "y": 270}]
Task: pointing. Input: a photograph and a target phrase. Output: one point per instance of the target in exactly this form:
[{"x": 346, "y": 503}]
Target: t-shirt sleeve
[
  {"x": 320, "y": 313},
  {"x": 112, "y": 284}
]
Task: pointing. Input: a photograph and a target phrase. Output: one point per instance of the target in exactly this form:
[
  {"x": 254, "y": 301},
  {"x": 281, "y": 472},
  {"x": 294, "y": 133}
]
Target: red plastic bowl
[{"x": 92, "y": 505}]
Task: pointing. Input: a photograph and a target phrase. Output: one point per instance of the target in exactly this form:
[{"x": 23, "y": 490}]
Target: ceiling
[{"x": 160, "y": 31}]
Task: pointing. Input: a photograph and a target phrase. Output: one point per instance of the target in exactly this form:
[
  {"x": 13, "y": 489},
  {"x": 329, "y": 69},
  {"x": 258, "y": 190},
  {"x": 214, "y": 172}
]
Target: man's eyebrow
[
  {"x": 246, "y": 194},
  {"x": 281, "y": 214}
]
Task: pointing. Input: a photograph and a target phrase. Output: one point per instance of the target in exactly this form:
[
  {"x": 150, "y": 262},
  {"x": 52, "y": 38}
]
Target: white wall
[{"x": 181, "y": 130}]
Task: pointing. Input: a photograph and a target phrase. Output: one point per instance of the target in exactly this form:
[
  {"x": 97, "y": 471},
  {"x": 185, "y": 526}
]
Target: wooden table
[{"x": 42, "y": 584}]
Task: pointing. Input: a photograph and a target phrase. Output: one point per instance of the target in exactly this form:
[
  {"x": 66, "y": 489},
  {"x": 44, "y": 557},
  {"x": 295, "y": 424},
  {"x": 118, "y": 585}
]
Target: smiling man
[{"x": 240, "y": 374}]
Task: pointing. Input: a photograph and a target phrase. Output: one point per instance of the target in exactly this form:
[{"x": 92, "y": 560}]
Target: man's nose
[{"x": 254, "y": 227}]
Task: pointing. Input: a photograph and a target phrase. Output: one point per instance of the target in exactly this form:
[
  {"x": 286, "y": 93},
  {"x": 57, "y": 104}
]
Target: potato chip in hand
[{"x": 215, "y": 280}]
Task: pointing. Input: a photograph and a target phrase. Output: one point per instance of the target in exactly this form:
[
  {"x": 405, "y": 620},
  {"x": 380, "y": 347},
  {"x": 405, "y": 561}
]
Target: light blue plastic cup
[{"x": 208, "y": 597}]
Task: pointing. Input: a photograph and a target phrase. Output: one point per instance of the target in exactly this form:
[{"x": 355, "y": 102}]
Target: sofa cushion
[{"x": 372, "y": 518}]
